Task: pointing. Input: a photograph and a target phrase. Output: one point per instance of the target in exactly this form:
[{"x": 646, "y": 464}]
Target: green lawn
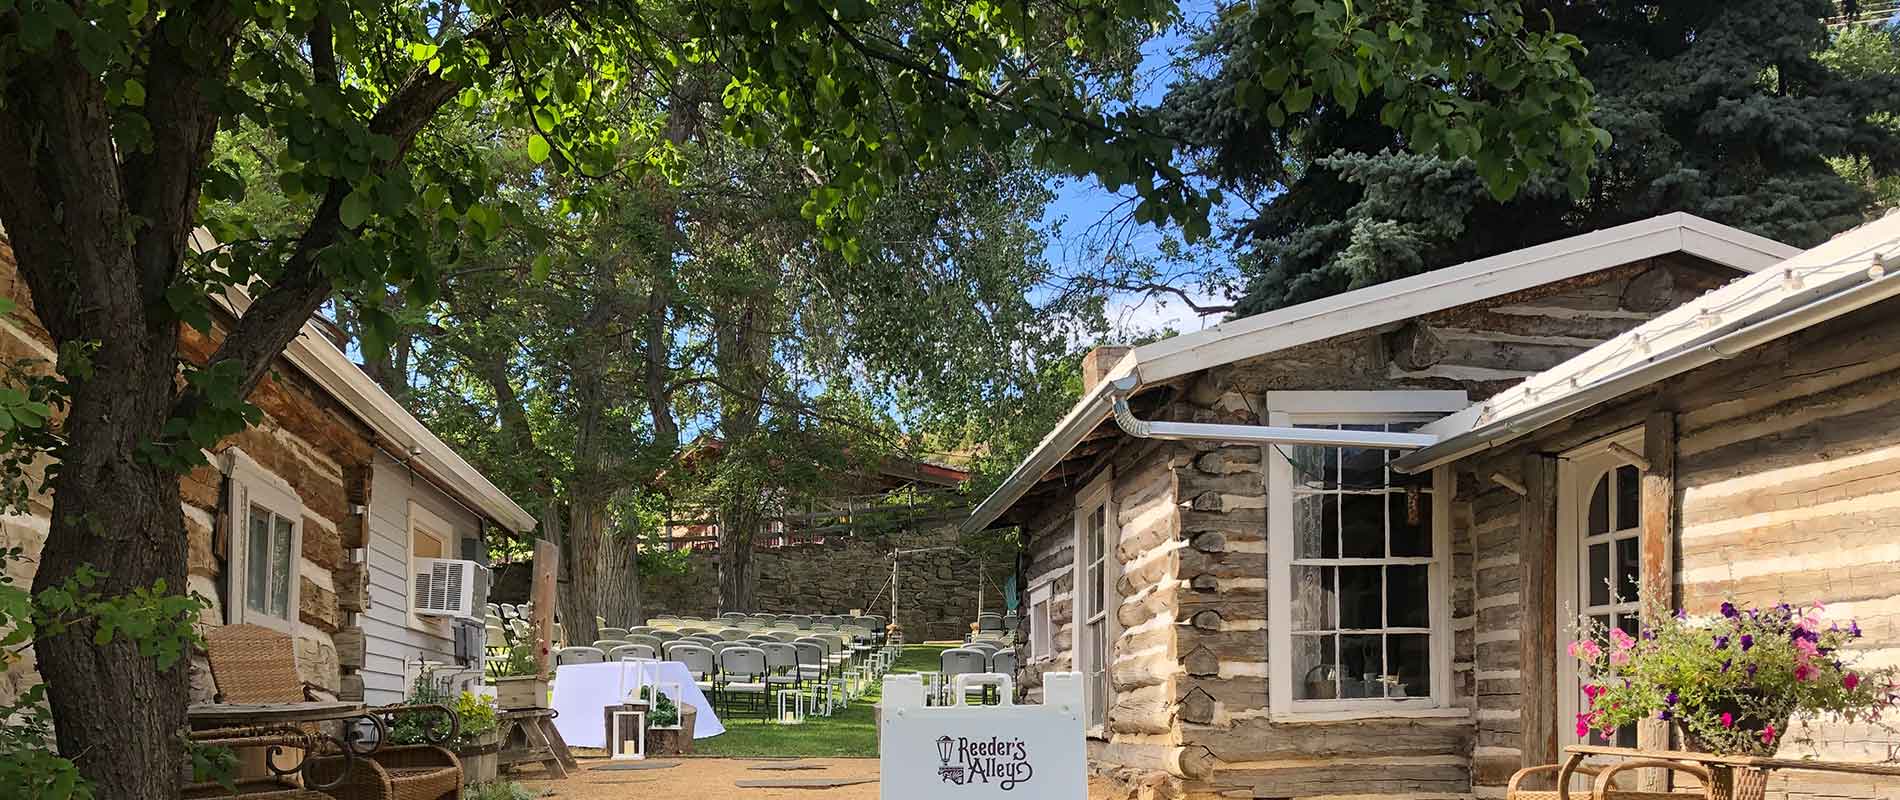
[{"x": 849, "y": 733}]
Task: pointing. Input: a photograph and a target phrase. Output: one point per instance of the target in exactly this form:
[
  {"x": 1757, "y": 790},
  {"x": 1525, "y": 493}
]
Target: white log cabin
[{"x": 1332, "y": 550}]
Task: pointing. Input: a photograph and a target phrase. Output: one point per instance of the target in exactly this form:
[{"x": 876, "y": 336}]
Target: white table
[{"x": 582, "y": 690}]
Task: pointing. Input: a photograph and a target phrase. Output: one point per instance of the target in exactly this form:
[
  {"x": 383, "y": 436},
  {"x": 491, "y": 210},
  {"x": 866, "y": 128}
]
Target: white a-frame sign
[{"x": 959, "y": 751}]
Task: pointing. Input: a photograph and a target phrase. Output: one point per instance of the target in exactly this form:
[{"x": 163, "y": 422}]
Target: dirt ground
[{"x": 713, "y": 779}]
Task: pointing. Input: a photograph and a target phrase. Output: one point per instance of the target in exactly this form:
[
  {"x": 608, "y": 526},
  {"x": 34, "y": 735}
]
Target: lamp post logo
[{"x": 965, "y": 762}]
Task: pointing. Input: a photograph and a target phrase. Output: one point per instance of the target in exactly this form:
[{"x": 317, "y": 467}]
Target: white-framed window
[
  {"x": 1096, "y": 570},
  {"x": 1599, "y": 560},
  {"x": 1359, "y": 621},
  {"x": 1041, "y": 633},
  {"x": 266, "y": 543},
  {"x": 429, "y": 537}
]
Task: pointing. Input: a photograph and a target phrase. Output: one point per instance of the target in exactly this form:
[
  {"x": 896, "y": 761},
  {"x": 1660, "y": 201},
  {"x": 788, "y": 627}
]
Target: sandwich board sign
[{"x": 959, "y": 751}]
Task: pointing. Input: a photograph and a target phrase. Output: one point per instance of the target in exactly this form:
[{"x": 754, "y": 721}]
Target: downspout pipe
[
  {"x": 1140, "y": 428},
  {"x": 1721, "y": 348}
]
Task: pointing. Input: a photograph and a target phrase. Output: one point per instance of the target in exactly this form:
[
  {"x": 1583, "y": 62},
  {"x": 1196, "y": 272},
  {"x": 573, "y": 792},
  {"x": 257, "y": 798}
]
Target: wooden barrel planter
[
  {"x": 675, "y": 741},
  {"x": 481, "y": 761}
]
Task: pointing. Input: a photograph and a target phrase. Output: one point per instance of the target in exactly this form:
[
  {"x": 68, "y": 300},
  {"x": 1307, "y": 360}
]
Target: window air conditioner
[{"x": 445, "y": 587}]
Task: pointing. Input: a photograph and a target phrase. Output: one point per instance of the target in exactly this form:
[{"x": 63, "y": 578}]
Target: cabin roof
[
  {"x": 1840, "y": 275},
  {"x": 1385, "y": 303}
]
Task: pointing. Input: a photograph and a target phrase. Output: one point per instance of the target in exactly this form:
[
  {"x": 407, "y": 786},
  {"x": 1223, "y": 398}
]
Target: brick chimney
[{"x": 1097, "y": 363}]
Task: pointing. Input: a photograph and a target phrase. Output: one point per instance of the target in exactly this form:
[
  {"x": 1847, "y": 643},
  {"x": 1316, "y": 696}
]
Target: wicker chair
[
  {"x": 253, "y": 664},
  {"x": 1604, "y": 784}
]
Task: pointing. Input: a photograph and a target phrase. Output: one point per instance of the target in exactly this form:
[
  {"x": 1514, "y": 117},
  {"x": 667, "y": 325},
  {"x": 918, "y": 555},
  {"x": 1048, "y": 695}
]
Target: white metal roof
[
  {"x": 1826, "y": 281},
  {"x": 1385, "y": 303}
]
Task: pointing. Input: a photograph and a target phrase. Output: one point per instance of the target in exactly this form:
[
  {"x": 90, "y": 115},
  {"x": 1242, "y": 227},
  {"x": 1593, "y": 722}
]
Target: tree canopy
[{"x": 1750, "y": 113}]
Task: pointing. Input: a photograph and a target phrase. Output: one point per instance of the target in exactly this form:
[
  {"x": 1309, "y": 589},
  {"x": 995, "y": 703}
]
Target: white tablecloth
[{"x": 582, "y": 690}]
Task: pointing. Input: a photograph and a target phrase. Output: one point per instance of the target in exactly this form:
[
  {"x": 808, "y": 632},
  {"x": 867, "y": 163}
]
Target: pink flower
[
  {"x": 1621, "y": 640},
  {"x": 1850, "y": 681},
  {"x": 1768, "y": 734},
  {"x": 1583, "y": 725},
  {"x": 1728, "y": 720},
  {"x": 1592, "y": 691},
  {"x": 1619, "y": 658},
  {"x": 1806, "y": 648}
]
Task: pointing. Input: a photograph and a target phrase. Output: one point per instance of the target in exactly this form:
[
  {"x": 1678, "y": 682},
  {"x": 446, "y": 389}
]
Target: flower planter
[
  {"x": 481, "y": 758},
  {"x": 525, "y": 691}
]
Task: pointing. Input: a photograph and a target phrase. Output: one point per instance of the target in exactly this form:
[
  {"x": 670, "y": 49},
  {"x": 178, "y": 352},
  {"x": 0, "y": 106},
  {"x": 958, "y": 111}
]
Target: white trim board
[{"x": 1383, "y": 304}]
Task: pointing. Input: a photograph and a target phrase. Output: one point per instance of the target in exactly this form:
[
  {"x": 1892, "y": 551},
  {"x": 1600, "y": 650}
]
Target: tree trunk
[
  {"x": 117, "y": 715},
  {"x": 620, "y": 579}
]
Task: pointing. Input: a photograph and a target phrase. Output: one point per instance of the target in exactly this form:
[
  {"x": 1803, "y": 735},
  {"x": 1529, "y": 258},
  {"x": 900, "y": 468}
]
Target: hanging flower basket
[{"x": 1732, "y": 683}]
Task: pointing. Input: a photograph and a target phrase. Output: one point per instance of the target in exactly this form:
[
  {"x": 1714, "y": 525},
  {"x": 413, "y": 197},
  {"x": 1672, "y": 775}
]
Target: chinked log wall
[
  {"x": 306, "y": 438},
  {"x": 1222, "y": 740},
  {"x": 1787, "y": 488}
]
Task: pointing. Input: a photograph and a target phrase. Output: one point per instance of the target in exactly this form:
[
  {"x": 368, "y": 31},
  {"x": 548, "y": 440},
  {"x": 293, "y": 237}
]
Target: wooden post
[
  {"x": 1658, "y": 589},
  {"x": 1537, "y": 642},
  {"x": 547, "y": 557}
]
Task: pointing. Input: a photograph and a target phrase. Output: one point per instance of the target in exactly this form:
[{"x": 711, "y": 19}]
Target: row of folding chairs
[
  {"x": 972, "y": 659},
  {"x": 751, "y": 671}
]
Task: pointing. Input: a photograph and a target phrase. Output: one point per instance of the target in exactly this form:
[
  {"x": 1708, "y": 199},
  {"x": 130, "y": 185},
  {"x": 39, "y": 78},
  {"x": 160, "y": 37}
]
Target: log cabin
[
  {"x": 308, "y": 522},
  {"x": 1261, "y": 606}
]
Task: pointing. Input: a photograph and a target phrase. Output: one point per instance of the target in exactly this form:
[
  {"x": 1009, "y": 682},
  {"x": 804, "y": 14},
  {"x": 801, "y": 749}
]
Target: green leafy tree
[
  {"x": 106, "y": 157},
  {"x": 1749, "y": 113}
]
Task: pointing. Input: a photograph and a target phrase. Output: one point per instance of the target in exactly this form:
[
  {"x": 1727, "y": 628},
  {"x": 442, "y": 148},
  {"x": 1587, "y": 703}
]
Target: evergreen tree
[{"x": 1740, "y": 111}]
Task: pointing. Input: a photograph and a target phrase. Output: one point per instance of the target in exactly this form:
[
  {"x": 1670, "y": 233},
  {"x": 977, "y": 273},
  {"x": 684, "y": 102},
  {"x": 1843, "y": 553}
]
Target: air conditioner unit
[{"x": 445, "y": 587}]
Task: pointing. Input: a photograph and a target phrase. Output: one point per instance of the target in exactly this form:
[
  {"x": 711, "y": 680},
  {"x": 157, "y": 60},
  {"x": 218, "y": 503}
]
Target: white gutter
[
  {"x": 1054, "y": 447},
  {"x": 1251, "y": 434},
  {"x": 1869, "y": 291}
]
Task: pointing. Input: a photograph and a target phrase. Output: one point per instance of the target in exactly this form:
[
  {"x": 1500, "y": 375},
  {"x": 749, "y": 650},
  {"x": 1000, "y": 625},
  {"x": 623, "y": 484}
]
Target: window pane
[
  {"x": 1361, "y": 664},
  {"x": 1096, "y": 589},
  {"x": 1628, "y": 486},
  {"x": 1408, "y": 596},
  {"x": 1598, "y": 580},
  {"x": 1359, "y": 598},
  {"x": 1313, "y": 537},
  {"x": 1409, "y": 656},
  {"x": 257, "y": 561},
  {"x": 1411, "y": 523},
  {"x": 1316, "y": 467},
  {"x": 1314, "y": 677},
  {"x": 1362, "y": 525},
  {"x": 1313, "y": 593},
  {"x": 1630, "y": 623},
  {"x": 1628, "y": 563},
  {"x": 281, "y": 573},
  {"x": 1599, "y": 507},
  {"x": 1361, "y": 468}
]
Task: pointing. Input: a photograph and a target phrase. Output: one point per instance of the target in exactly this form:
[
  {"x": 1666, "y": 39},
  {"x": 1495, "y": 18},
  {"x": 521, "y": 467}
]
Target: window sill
[{"x": 1370, "y": 713}]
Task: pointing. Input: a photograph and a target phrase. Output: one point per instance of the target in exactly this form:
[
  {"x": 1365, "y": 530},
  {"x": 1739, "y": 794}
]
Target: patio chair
[
  {"x": 646, "y": 639},
  {"x": 613, "y": 633},
  {"x": 801, "y": 621},
  {"x": 1004, "y": 663},
  {"x": 665, "y": 636},
  {"x": 823, "y": 626},
  {"x": 627, "y": 651},
  {"x": 733, "y": 634},
  {"x": 742, "y": 673},
  {"x": 579, "y": 655},
  {"x": 690, "y": 631},
  {"x": 989, "y": 622},
  {"x": 961, "y": 661},
  {"x": 731, "y": 616},
  {"x": 1011, "y": 622},
  {"x": 699, "y": 661},
  {"x": 988, "y": 647},
  {"x": 781, "y": 666},
  {"x": 1604, "y": 776},
  {"x": 640, "y": 630},
  {"x": 784, "y": 636},
  {"x": 604, "y": 645},
  {"x": 510, "y": 611},
  {"x": 254, "y": 664}
]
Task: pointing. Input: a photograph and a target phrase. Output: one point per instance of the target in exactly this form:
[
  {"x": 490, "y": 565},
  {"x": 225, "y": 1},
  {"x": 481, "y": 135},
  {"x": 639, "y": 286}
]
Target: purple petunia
[
  {"x": 1751, "y": 670},
  {"x": 1721, "y": 642},
  {"x": 1728, "y": 609},
  {"x": 1727, "y": 664},
  {"x": 1664, "y": 715},
  {"x": 1853, "y": 629},
  {"x": 1748, "y": 641},
  {"x": 1672, "y": 698}
]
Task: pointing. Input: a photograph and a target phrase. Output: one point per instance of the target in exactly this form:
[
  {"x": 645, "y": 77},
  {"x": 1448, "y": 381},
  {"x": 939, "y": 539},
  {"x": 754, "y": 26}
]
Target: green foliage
[
  {"x": 518, "y": 660},
  {"x": 1747, "y": 113},
  {"x": 28, "y": 765},
  {"x": 1732, "y": 682},
  {"x": 497, "y": 790},
  {"x": 664, "y": 712},
  {"x": 475, "y": 715}
]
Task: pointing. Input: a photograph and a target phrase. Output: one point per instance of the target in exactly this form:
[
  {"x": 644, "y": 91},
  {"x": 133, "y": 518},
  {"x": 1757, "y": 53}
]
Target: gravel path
[{"x": 707, "y": 779}]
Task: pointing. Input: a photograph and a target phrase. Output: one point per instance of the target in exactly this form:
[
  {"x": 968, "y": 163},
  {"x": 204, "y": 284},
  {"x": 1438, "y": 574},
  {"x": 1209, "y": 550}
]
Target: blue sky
[{"x": 1081, "y": 204}]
